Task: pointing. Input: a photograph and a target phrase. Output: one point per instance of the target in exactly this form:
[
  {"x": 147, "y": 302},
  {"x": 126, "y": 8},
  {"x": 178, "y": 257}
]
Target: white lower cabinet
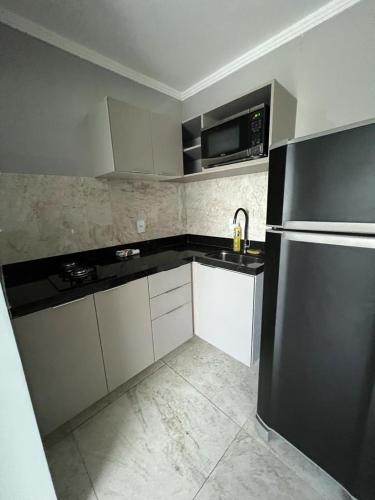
[
  {"x": 171, "y": 309},
  {"x": 74, "y": 353},
  {"x": 227, "y": 310},
  {"x": 166, "y": 281},
  {"x": 62, "y": 359},
  {"x": 172, "y": 330},
  {"x": 125, "y": 330}
]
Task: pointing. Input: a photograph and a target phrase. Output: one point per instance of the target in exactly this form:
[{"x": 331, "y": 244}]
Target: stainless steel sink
[{"x": 235, "y": 258}]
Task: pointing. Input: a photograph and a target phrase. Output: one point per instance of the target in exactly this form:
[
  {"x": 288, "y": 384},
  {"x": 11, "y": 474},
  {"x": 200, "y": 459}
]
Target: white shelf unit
[
  {"x": 193, "y": 152},
  {"x": 242, "y": 168},
  {"x": 191, "y": 140},
  {"x": 282, "y": 126}
]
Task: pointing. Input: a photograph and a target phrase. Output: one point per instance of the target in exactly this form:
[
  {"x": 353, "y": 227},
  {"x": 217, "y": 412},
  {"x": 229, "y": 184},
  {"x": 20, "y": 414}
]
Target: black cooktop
[{"x": 79, "y": 276}]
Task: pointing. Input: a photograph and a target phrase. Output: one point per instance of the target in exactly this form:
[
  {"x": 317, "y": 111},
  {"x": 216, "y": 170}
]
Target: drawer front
[
  {"x": 172, "y": 330},
  {"x": 168, "y": 280},
  {"x": 168, "y": 301}
]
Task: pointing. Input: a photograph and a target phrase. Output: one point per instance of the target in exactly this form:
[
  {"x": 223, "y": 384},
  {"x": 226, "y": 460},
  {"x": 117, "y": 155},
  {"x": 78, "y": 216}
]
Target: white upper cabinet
[
  {"x": 131, "y": 137},
  {"x": 127, "y": 141},
  {"x": 167, "y": 145}
]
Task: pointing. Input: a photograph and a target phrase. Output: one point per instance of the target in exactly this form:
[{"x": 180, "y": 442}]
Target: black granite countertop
[{"x": 29, "y": 287}]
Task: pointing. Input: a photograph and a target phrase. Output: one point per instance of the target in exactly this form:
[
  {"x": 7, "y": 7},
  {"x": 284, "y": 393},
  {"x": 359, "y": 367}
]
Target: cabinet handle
[
  {"x": 176, "y": 288},
  {"x": 175, "y": 309},
  {"x": 67, "y": 303},
  {"x": 111, "y": 289}
]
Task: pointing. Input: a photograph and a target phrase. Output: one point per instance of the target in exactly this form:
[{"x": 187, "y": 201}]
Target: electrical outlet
[{"x": 141, "y": 226}]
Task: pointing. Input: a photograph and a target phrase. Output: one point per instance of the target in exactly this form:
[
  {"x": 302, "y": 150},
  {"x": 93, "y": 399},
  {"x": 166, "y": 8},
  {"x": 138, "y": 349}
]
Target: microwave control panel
[{"x": 259, "y": 126}]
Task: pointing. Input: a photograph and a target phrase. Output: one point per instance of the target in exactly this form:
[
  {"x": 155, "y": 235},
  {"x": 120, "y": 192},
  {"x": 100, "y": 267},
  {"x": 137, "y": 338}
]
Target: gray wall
[
  {"x": 45, "y": 94},
  {"x": 330, "y": 70}
]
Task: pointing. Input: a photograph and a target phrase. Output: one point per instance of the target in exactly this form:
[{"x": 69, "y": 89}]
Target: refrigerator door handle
[
  {"x": 330, "y": 239},
  {"x": 331, "y": 227}
]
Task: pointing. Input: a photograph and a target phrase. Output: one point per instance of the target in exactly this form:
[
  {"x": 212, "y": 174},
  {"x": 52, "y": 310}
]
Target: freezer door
[
  {"x": 317, "y": 368},
  {"x": 326, "y": 179}
]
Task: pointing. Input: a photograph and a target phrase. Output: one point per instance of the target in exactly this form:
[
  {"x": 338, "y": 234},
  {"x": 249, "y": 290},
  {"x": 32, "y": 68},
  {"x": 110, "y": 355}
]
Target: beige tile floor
[{"x": 183, "y": 429}]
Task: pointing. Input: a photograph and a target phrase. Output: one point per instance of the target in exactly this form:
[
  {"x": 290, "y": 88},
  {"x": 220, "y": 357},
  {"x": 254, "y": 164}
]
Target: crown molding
[
  {"x": 37, "y": 31},
  {"x": 295, "y": 30}
]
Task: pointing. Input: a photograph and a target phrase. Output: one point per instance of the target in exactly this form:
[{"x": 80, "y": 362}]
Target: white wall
[
  {"x": 331, "y": 71},
  {"x": 24, "y": 473},
  {"x": 45, "y": 94}
]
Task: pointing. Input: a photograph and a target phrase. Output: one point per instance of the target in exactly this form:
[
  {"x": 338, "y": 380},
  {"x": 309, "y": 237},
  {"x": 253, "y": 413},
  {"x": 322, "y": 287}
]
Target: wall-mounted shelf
[
  {"x": 241, "y": 168},
  {"x": 282, "y": 125},
  {"x": 193, "y": 152}
]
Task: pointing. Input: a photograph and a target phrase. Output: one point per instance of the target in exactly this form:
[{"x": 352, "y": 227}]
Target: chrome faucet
[{"x": 246, "y": 243}]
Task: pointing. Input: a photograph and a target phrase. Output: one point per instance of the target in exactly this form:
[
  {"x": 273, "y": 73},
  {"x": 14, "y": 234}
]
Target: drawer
[
  {"x": 168, "y": 301},
  {"x": 172, "y": 330},
  {"x": 168, "y": 280}
]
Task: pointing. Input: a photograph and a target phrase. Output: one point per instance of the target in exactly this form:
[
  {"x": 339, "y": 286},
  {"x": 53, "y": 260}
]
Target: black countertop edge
[
  {"x": 39, "y": 294},
  {"x": 36, "y": 269}
]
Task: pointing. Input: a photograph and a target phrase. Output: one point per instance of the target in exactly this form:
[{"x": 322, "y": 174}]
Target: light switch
[{"x": 141, "y": 226}]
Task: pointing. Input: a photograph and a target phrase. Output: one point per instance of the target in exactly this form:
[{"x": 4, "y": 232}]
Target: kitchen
[{"x": 143, "y": 369}]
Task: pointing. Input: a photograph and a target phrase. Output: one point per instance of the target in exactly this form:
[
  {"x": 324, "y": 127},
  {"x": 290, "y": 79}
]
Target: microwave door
[{"x": 226, "y": 141}]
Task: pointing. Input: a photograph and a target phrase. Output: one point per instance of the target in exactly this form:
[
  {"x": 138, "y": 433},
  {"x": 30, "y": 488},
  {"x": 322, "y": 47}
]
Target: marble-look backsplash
[
  {"x": 44, "y": 215},
  {"x": 211, "y": 203}
]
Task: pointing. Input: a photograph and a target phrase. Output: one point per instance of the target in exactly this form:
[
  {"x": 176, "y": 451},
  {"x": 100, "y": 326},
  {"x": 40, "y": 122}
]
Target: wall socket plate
[{"x": 141, "y": 226}]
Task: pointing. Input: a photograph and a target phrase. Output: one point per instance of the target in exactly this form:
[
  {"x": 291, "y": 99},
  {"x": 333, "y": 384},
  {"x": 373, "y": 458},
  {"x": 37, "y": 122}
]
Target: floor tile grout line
[
  {"x": 204, "y": 395},
  {"x": 217, "y": 463},
  {"x": 164, "y": 363},
  {"x": 84, "y": 465},
  {"x": 74, "y": 428},
  {"x": 301, "y": 475},
  {"x": 119, "y": 397}
]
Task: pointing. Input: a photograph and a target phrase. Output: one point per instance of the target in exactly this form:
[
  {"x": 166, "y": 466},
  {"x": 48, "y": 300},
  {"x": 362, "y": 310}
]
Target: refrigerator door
[
  {"x": 317, "y": 367},
  {"x": 324, "y": 183}
]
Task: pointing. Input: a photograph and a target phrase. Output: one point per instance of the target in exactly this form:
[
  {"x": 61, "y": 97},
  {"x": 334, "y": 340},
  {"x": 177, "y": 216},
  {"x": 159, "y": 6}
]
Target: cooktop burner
[{"x": 73, "y": 275}]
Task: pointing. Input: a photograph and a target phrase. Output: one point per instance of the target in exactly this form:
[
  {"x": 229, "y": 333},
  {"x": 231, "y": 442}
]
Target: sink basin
[{"x": 235, "y": 258}]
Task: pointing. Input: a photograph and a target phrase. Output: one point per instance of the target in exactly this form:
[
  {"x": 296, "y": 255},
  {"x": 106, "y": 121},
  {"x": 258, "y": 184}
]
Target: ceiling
[{"x": 176, "y": 46}]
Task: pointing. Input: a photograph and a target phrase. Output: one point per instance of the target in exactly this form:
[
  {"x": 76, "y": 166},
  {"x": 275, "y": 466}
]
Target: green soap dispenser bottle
[{"x": 237, "y": 238}]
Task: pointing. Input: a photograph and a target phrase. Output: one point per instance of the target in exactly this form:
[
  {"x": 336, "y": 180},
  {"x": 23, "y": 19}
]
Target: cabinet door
[
  {"x": 223, "y": 310},
  {"x": 172, "y": 329},
  {"x": 131, "y": 137},
  {"x": 125, "y": 330},
  {"x": 167, "y": 145},
  {"x": 62, "y": 359}
]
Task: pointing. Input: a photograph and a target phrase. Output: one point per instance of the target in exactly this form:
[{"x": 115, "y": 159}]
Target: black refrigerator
[{"x": 317, "y": 362}]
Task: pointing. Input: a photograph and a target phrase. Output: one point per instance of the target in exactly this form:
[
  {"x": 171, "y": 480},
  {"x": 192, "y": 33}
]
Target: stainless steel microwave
[{"x": 240, "y": 137}]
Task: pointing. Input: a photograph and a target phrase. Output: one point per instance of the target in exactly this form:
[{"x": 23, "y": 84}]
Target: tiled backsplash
[
  {"x": 211, "y": 204},
  {"x": 44, "y": 215}
]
